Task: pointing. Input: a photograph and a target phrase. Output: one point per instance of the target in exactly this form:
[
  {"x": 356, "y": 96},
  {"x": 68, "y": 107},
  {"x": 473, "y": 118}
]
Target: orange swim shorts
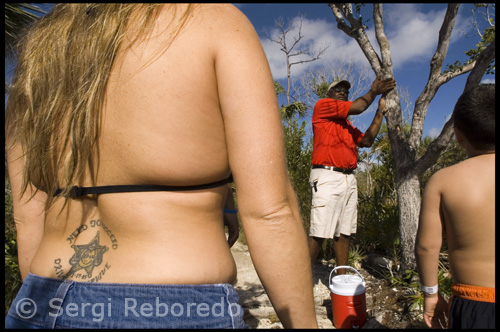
[{"x": 474, "y": 293}]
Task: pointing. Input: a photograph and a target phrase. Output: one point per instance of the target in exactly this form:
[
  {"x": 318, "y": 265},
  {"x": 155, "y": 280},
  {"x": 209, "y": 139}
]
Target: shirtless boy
[{"x": 460, "y": 201}]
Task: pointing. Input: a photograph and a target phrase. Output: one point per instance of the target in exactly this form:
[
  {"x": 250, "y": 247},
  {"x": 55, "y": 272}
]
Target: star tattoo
[{"x": 87, "y": 256}]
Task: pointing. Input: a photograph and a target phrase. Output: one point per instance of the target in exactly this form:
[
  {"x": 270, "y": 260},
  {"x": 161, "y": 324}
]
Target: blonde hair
[{"x": 54, "y": 104}]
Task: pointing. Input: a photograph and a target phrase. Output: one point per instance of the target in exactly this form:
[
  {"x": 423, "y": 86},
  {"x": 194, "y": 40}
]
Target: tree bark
[
  {"x": 434, "y": 82},
  {"x": 408, "y": 192},
  {"x": 481, "y": 65}
]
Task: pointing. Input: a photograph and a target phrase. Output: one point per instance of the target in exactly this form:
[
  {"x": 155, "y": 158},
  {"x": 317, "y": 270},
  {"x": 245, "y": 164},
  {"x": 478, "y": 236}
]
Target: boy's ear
[{"x": 459, "y": 136}]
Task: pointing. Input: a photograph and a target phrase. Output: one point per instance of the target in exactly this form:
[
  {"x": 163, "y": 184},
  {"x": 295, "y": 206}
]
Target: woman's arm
[{"x": 267, "y": 204}]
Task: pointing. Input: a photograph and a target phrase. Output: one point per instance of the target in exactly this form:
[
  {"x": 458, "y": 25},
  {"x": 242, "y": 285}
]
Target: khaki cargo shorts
[{"x": 334, "y": 203}]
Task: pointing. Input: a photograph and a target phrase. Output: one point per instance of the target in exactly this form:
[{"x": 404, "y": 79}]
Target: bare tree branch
[
  {"x": 435, "y": 148},
  {"x": 433, "y": 83},
  {"x": 297, "y": 39},
  {"x": 482, "y": 63},
  {"x": 486, "y": 16},
  {"x": 283, "y": 31},
  {"x": 356, "y": 31},
  {"x": 340, "y": 19},
  {"x": 317, "y": 57},
  {"x": 439, "y": 144},
  {"x": 444, "y": 39},
  {"x": 288, "y": 49},
  {"x": 394, "y": 119},
  {"x": 385, "y": 50},
  {"x": 474, "y": 22},
  {"x": 444, "y": 78}
]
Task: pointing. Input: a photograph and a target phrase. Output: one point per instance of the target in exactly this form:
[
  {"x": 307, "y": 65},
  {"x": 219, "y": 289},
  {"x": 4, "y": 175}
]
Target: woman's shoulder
[{"x": 224, "y": 19}]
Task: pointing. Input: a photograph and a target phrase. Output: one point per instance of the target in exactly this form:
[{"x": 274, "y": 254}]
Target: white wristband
[{"x": 429, "y": 290}]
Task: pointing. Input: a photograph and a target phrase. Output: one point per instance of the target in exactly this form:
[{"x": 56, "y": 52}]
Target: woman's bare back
[{"x": 162, "y": 125}]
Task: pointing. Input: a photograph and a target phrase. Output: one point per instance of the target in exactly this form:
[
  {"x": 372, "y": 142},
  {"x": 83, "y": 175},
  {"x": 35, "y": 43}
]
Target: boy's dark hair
[{"x": 474, "y": 116}]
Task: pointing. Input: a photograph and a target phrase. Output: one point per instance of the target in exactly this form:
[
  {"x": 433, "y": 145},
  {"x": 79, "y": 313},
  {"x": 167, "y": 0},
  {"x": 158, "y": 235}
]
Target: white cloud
[
  {"x": 434, "y": 132},
  {"x": 412, "y": 37},
  {"x": 411, "y": 31},
  {"x": 488, "y": 81},
  {"x": 316, "y": 35},
  {"x": 412, "y": 34}
]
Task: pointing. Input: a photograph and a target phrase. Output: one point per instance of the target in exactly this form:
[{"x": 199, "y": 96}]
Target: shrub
[{"x": 12, "y": 274}]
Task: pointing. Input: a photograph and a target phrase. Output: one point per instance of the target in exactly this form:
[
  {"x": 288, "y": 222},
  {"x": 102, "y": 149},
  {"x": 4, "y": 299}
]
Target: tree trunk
[{"x": 408, "y": 190}]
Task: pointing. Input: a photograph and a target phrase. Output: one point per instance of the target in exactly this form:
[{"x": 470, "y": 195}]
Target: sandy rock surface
[{"x": 385, "y": 309}]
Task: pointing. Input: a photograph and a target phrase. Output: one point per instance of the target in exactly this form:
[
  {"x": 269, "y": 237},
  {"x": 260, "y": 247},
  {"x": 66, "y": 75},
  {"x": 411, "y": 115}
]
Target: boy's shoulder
[
  {"x": 452, "y": 170},
  {"x": 463, "y": 170},
  {"x": 447, "y": 174}
]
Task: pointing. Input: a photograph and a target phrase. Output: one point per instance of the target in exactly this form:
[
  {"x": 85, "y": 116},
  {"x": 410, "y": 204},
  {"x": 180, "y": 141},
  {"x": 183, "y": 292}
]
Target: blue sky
[{"x": 412, "y": 30}]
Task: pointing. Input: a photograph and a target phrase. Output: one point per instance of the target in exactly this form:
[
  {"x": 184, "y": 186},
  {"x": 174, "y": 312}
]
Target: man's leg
[
  {"x": 314, "y": 247},
  {"x": 341, "y": 249},
  {"x": 348, "y": 223}
]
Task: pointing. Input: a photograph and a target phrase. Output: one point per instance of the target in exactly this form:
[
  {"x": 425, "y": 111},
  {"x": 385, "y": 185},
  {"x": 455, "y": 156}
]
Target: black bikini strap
[{"x": 82, "y": 191}]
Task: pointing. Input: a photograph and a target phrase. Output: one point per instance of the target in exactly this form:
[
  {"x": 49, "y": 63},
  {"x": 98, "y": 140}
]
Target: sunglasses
[{"x": 346, "y": 91}]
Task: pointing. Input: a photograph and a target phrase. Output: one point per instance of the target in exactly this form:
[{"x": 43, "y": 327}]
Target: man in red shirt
[{"x": 334, "y": 159}]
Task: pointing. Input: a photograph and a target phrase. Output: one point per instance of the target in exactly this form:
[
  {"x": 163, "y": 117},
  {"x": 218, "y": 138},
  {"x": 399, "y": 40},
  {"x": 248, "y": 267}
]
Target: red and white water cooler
[{"x": 348, "y": 299}]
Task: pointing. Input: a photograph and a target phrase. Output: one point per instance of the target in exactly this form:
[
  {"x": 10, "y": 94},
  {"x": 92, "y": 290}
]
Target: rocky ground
[{"x": 386, "y": 305}]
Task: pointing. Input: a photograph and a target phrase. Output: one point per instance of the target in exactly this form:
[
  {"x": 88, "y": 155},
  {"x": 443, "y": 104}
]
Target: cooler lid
[{"x": 346, "y": 284}]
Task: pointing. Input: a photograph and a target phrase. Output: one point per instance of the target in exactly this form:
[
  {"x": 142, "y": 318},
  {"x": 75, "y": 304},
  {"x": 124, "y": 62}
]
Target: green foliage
[
  {"x": 278, "y": 88},
  {"x": 407, "y": 279},
  {"x": 487, "y": 37},
  {"x": 295, "y": 108},
  {"x": 288, "y": 112},
  {"x": 298, "y": 153},
  {"x": 378, "y": 223},
  {"x": 410, "y": 281},
  {"x": 378, "y": 218},
  {"x": 12, "y": 274},
  {"x": 298, "y": 156},
  {"x": 320, "y": 86},
  {"x": 356, "y": 255},
  {"x": 445, "y": 280}
]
